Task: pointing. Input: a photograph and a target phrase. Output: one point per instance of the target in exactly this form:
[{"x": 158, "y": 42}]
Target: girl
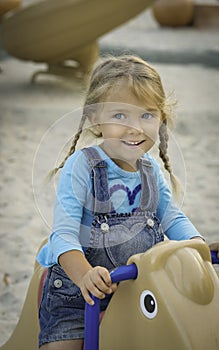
[{"x": 112, "y": 199}]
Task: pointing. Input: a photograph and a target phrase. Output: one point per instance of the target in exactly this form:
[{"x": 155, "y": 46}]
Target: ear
[{"x": 93, "y": 119}]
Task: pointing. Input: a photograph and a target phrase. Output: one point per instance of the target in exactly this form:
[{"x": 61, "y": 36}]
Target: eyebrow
[
  {"x": 123, "y": 110},
  {"x": 118, "y": 110}
]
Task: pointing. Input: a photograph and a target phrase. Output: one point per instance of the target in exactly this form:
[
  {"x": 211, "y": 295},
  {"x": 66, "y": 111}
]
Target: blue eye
[
  {"x": 119, "y": 116},
  {"x": 147, "y": 116}
]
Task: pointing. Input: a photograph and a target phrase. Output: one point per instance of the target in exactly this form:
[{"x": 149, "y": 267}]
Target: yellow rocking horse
[{"x": 171, "y": 302}]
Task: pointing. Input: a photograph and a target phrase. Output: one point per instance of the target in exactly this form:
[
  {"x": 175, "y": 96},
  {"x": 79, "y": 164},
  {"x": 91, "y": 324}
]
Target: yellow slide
[{"x": 55, "y": 31}]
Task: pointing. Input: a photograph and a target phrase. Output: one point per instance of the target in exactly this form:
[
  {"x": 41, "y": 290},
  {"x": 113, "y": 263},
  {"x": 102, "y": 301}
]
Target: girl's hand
[
  {"x": 98, "y": 282},
  {"x": 215, "y": 247}
]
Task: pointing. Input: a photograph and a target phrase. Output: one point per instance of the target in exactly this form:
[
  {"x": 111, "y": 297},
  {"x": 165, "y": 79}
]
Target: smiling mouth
[{"x": 133, "y": 143}]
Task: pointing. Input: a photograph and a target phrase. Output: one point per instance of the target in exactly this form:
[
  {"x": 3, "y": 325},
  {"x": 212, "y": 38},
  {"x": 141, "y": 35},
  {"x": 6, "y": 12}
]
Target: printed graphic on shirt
[{"x": 121, "y": 193}]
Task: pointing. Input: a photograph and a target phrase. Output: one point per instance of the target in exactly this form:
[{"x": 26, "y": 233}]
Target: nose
[{"x": 134, "y": 126}]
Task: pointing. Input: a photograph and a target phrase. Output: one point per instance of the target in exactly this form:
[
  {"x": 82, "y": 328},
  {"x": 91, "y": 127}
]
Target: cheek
[
  {"x": 152, "y": 131},
  {"x": 111, "y": 131}
]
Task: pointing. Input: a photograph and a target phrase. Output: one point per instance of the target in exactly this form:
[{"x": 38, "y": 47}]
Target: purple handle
[
  {"x": 214, "y": 258},
  {"x": 91, "y": 338},
  {"x": 124, "y": 273}
]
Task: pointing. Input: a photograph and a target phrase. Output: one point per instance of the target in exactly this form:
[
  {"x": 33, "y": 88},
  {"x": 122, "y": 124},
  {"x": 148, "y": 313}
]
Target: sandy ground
[{"x": 31, "y": 143}]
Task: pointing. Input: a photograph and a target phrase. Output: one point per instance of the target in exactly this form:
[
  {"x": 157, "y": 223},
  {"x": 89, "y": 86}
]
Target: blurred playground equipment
[
  {"x": 179, "y": 13},
  {"x": 64, "y": 34},
  {"x": 169, "y": 299},
  {"x": 8, "y": 5},
  {"x": 174, "y": 13}
]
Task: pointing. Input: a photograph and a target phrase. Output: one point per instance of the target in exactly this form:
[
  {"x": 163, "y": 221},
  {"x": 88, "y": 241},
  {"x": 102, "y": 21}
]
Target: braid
[
  {"x": 72, "y": 148},
  {"x": 163, "y": 146}
]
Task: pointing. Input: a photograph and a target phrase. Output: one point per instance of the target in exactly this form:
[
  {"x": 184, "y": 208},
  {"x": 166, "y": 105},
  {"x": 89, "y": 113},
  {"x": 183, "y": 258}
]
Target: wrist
[{"x": 75, "y": 265}]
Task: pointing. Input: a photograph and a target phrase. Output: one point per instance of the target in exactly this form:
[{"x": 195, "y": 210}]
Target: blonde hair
[{"x": 144, "y": 82}]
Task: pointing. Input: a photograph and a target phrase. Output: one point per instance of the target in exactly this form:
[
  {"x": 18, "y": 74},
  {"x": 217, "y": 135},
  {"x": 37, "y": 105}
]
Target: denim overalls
[{"x": 114, "y": 238}]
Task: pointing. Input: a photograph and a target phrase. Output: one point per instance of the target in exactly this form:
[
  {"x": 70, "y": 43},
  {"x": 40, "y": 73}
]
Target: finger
[
  {"x": 100, "y": 283},
  {"x": 105, "y": 275},
  {"x": 114, "y": 286},
  {"x": 87, "y": 297},
  {"x": 96, "y": 292},
  {"x": 91, "y": 286},
  {"x": 97, "y": 285}
]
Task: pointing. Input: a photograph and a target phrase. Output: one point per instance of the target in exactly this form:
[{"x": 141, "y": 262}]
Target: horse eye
[{"x": 148, "y": 304}]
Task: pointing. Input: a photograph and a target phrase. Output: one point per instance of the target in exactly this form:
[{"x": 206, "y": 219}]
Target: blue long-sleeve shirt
[{"x": 73, "y": 214}]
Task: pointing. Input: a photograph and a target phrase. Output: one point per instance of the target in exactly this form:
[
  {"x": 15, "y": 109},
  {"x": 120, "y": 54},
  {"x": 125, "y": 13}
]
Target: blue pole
[
  {"x": 215, "y": 259},
  {"x": 91, "y": 341},
  {"x": 91, "y": 338}
]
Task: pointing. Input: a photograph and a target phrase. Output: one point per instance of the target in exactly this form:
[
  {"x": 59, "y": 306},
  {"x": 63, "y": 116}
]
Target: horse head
[{"x": 172, "y": 304}]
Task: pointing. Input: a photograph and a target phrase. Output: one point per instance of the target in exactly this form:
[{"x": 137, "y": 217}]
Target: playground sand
[{"x": 30, "y": 141}]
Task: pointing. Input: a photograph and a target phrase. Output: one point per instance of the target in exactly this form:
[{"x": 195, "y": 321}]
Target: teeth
[{"x": 132, "y": 142}]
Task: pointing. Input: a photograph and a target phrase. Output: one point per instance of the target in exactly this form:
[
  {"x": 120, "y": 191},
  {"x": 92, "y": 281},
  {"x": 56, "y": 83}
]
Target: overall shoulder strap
[
  {"x": 99, "y": 177},
  {"x": 149, "y": 188}
]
